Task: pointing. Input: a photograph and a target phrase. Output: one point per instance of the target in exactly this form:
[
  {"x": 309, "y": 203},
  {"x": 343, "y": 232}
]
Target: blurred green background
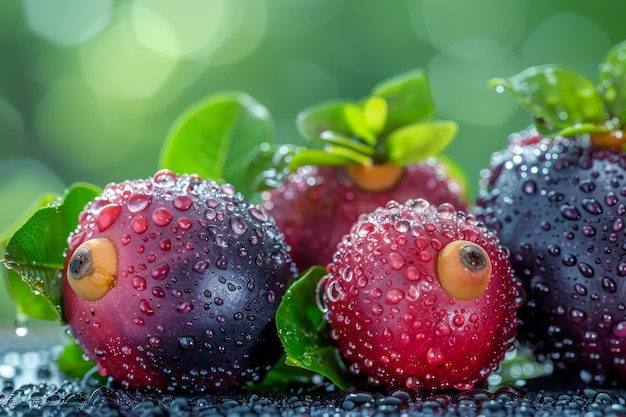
[{"x": 89, "y": 89}]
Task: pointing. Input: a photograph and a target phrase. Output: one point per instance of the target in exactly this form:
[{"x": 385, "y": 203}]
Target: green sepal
[
  {"x": 409, "y": 99},
  {"x": 35, "y": 253},
  {"x": 343, "y": 117},
  {"x": 417, "y": 141},
  {"x": 207, "y": 138},
  {"x": 304, "y": 332},
  {"x": 556, "y": 96},
  {"x": 612, "y": 81},
  {"x": 269, "y": 165}
]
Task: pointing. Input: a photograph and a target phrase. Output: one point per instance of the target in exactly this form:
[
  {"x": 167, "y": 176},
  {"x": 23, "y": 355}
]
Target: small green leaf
[
  {"x": 35, "y": 253},
  {"x": 329, "y": 156},
  {"x": 408, "y": 97},
  {"x": 612, "y": 81},
  {"x": 556, "y": 96},
  {"x": 337, "y": 139},
  {"x": 268, "y": 166},
  {"x": 375, "y": 110},
  {"x": 208, "y": 137},
  {"x": 418, "y": 141},
  {"x": 303, "y": 332},
  {"x": 341, "y": 116},
  {"x": 72, "y": 362}
]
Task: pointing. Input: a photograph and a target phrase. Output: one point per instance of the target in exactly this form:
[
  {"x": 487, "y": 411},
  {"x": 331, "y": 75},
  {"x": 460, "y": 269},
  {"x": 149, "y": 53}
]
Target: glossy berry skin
[
  {"x": 559, "y": 206},
  {"x": 316, "y": 206},
  {"x": 200, "y": 273},
  {"x": 390, "y": 317}
]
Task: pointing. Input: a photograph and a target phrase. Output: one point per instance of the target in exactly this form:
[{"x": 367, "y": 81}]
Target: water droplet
[
  {"x": 394, "y": 296},
  {"x": 139, "y": 224},
  {"x": 411, "y": 273},
  {"x": 271, "y": 297},
  {"x": 387, "y": 334},
  {"x": 585, "y": 269},
  {"x": 396, "y": 260},
  {"x": 258, "y": 214},
  {"x": 529, "y": 187},
  {"x": 139, "y": 321},
  {"x": 165, "y": 244},
  {"x": 145, "y": 307},
  {"x": 592, "y": 206},
  {"x": 139, "y": 283},
  {"x": 402, "y": 226},
  {"x": 184, "y": 307},
  {"x": 126, "y": 350},
  {"x": 162, "y": 217},
  {"x": 569, "y": 212},
  {"x": 610, "y": 199},
  {"x": 160, "y": 271},
  {"x": 238, "y": 224},
  {"x": 165, "y": 178},
  {"x": 138, "y": 202},
  {"x": 618, "y": 224},
  {"x": 554, "y": 250},
  {"x": 182, "y": 202},
  {"x": 609, "y": 285},
  {"x": 619, "y": 328},
  {"x": 589, "y": 230},
  {"x": 459, "y": 320},
  {"x": 126, "y": 239},
  {"x": 580, "y": 289},
  {"x": 155, "y": 341},
  {"x": 577, "y": 316},
  {"x": 107, "y": 216},
  {"x": 222, "y": 262},
  {"x": 569, "y": 260},
  {"x": 184, "y": 223},
  {"x": 434, "y": 357}
]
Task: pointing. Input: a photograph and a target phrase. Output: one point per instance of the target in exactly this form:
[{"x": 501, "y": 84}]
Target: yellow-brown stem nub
[
  {"x": 375, "y": 178},
  {"x": 612, "y": 139},
  {"x": 92, "y": 269},
  {"x": 464, "y": 269}
]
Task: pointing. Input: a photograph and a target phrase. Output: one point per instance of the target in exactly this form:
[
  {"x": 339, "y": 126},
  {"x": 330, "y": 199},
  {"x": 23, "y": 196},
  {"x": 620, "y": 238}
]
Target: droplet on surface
[
  {"x": 238, "y": 224},
  {"x": 160, "y": 271},
  {"x": 139, "y": 224},
  {"x": 162, "y": 217},
  {"x": 182, "y": 202},
  {"x": 138, "y": 202},
  {"x": 107, "y": 216}
]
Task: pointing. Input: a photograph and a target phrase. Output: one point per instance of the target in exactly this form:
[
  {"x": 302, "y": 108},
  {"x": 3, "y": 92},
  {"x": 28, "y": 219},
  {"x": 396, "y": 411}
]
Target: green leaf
[
  {"x": 556, "y": 96},
  {"x": 418, "y": 141},
  {"x": 268, "y": 166},
  {"x": 329, "y": 156},
  {"x": 343, "y": 117},
  {"x": 338, "y": 140},
  {"x": 612, "y": 80},
  {"x": 35, "y": 253},
  {"x": 208, "y": 137},
  {"x": 409, "y": 99},
  {"x": 375, "y": 110},
  {"x": 72, "y": 361},
  {"x": 302, "y": 330}
]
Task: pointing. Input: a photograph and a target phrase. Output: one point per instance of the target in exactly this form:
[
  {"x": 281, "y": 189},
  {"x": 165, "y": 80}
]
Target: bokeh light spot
[
  {"x": 11, "y": 130},
  {"x": 116, "y": 64},
  {"x": 494, "y": 19},
  {"x": 66, "y": 22},
  {"x": 557, "y": 40}
]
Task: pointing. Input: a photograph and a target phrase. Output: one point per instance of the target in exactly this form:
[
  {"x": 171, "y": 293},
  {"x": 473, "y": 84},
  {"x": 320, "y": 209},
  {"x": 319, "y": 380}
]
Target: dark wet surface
[{"x": 32, "y": 386}]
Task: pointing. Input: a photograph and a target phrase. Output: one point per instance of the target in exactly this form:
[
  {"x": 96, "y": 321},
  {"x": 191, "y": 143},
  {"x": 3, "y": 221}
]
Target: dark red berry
[
  {"x": 172, "y": 283},
  {"x": 422, "y": 297}
]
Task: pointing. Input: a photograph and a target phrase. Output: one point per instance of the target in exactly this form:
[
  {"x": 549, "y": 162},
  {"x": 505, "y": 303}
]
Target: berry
[
  {"x": 316, "y": 206},
  {"x": 172, "y": 283},
  {"x": 558, "y": 205},
  {"x": 555, "y": 196},
  {"x": 422, "y": 297},
  {"x": 384, "y": 147}
]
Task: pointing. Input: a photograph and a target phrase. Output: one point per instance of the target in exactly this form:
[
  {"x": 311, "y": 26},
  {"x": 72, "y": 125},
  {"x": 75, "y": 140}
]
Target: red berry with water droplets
[
  {"x": 422, "y": 297},
  {"x": 171, "y": 283},
  {"x": 316, "y": 206}
]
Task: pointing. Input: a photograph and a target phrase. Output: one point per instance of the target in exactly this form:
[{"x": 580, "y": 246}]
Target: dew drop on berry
[
  {"x": 446, "y": 210},
  {"x": 387, "y": 334},
  {"x": 160, "y": 271},
  {"x": 569, "y": 212},
  {"x": 139, "y": 224},
  {"x": 619, "y": 328},
  {"x": 145, "y": 307},
  {"x": 529, "y": 187},
  {"x": 618, "y": 224},
  {"x": 434, "y": 357},
  {"x": 182, "y": 202},
  {"x": 222, "y": 262},
  {"x": 577, "y": 315},
  {"x": 139, "y": 283},
  {"x": 184, "y": 223},
  {"x": 458, "y": 320},
  {"x": 609, "y": 285},
  {"x": 580, "y": 289},
  {"x": 271, "y": 297},
  {"x": 139, "y": 321},
  {"x": 138, "y": 202},
  {"x": 569, "y": 260},
  {"x": 154, "y": 341},
  {"x": 610, "y": 199},
  {"x": 164, "y": 178},
  {"x": 126, "y": 350},
  {"x": 554, "y": 250},
  {"x": 411, "y": 273},
  {"x": 589, "y": 230},
  {"x": 165, "y": 244},
  {"x": 126, "y": 239},
  {"x": 238, "y": 224},
  {"x": 258, "y": 214},
  {"x": 107, "y": 216},
  {"x": 184, "y": 307},
  {"x": 394, "y": 296},
  {"x": 592, "y": 206},
  {"x": 586, "y": 270},
  {"x": 396, "y": 260},
  {"x": 162, "y": 217}
]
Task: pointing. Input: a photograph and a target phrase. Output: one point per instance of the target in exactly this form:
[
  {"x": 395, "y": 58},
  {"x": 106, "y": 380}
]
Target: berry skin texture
[
  {"x": 316, "y": 206},
  {"x": 392, "y": 319},
  {"x": 559, "y": 206},
  {"x": 171, "y": 283}
]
